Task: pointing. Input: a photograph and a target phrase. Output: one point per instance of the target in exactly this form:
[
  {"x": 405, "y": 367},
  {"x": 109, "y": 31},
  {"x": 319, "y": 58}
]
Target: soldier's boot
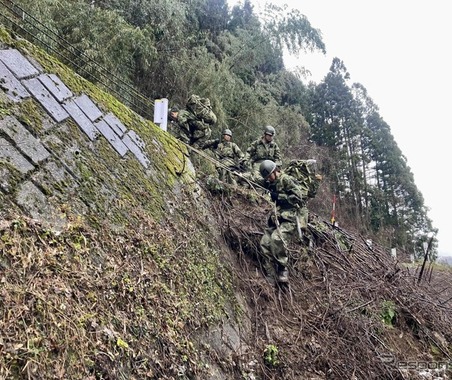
[{"x": 283, "y": 274}]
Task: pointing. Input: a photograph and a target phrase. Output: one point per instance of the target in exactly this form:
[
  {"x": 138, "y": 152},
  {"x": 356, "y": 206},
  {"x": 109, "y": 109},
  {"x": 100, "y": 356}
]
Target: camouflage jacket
[
  {"x": 291, "y": 202},
  {"x": 229, "y": 153},
  {"x": 179, "y": 130},
  {"x": 188, "y": 128},
  {"x": 259, "y": 150},
  {"x": 290, "y": 193},
  {"x": 190, "y": 122}
]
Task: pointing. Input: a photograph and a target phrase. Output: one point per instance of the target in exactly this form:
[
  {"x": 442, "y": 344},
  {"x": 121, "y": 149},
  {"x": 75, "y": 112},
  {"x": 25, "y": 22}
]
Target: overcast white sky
[{"x": 400, "y": 52}]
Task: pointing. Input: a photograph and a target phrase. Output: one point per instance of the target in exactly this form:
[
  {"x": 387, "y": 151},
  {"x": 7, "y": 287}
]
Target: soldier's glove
[
  {"x": 274, "y": 196},
  {"x": 242, "y": 166},
  {"x": 215, "y": 143}
]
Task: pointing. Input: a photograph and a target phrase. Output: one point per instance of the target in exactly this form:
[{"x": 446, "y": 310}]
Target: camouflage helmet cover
[
  {"x": 269, "y": 130},
  {"x": 266, "y": 168},
  {"x": 227, "y": 132}
]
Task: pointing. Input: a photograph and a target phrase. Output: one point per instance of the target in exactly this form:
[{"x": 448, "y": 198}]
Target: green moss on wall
[{"x": 127, "y": 276}]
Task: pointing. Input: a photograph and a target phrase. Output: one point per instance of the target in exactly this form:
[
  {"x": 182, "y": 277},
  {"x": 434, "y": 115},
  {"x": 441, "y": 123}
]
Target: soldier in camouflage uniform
[
  {"x": 262, "y": 149},
  {"x": 291, "y": 218},
  {"x": 177, "y": 124},
  {"x": 192, "y": 125},
  {"x": 230, "y": 157}
]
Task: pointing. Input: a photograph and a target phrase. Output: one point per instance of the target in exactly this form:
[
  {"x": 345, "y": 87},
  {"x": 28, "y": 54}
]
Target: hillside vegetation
[
  {"x": 112, "y": 267},
  {"x": 141, "y": 51},
  {"x": 127, "y": 265}
]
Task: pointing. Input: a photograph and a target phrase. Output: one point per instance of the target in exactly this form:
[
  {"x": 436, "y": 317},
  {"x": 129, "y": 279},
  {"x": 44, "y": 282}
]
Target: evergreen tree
[{"x": 176, "y": 48}]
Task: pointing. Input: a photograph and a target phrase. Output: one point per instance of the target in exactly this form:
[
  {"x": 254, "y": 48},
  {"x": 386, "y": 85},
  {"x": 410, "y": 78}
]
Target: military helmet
[
  {"x": 269, "y": 130},
  {"x": 227, "y": 132},
  {"x": 266, "y": 168}
]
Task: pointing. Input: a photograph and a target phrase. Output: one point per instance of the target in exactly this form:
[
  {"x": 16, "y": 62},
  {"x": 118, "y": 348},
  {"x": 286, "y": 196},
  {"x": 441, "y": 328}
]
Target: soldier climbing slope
[
  {"x": 178, "y": 126},
  {"x": 285, "y": 223},
  {"x": 230, "y": 157},
  {"x": 264, "y": 148},
  {"x": 192, "y": 125}
]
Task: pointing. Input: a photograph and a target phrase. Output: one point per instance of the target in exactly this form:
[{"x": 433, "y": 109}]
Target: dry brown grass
[{"x": 350, "y": 312}]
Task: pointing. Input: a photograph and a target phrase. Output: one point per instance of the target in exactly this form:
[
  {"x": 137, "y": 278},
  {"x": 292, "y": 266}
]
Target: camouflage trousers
[
  {"x": 201, "y": 139},
  {"x": 181, "y": 134},
  {"x": 273, "y": 243},
  {"x": 276, "y": 240},
  {"x": 225, "y": 175}
]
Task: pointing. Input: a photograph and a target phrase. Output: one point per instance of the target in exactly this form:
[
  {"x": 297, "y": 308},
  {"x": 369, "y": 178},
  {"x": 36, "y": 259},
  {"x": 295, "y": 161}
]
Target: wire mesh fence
[{"x": 20, "y": 21}]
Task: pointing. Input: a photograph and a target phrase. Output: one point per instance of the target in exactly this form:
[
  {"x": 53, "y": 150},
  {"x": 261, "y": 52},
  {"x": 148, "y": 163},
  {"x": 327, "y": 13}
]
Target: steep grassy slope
[
  {"x": 120, "y": 264},
  {"x": 107, "y": 267}
]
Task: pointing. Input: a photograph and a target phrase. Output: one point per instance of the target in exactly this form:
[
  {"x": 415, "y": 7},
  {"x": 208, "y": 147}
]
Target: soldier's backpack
[
  {"x": 305, "y": 172},
  {"x": 202, "y": 109}
]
